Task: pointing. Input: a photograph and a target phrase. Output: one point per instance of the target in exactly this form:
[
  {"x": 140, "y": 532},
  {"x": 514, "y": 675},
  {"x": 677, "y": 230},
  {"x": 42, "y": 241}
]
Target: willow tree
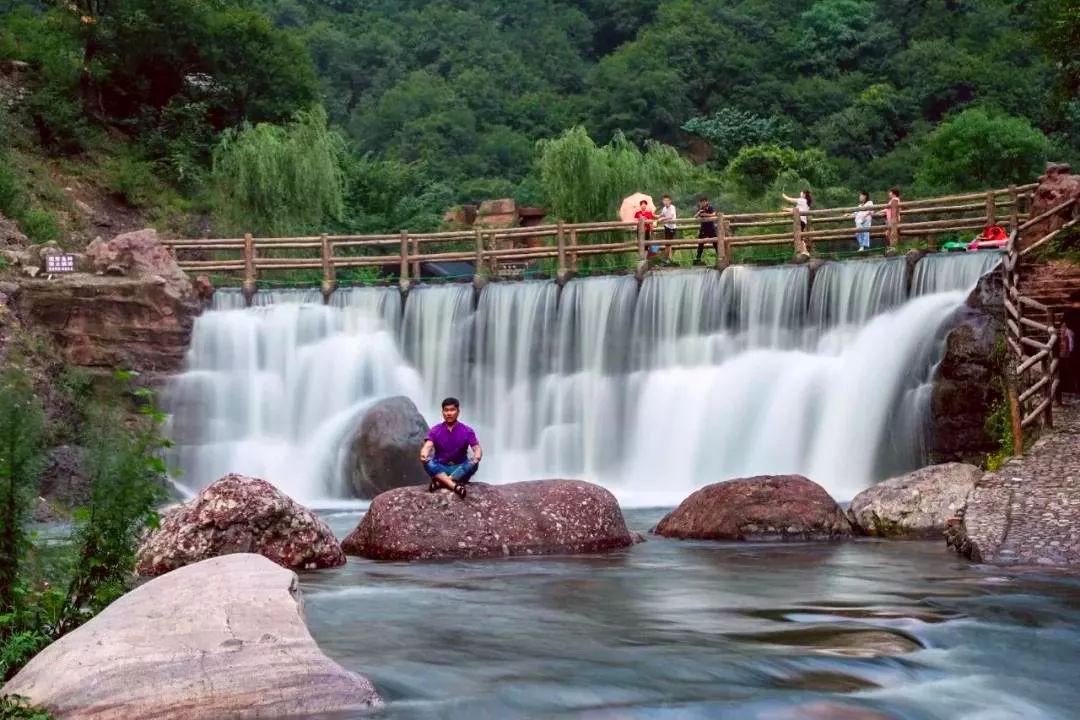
[
  {"x": 585, "y": 182},
  {"x": 279, "y": 179}
]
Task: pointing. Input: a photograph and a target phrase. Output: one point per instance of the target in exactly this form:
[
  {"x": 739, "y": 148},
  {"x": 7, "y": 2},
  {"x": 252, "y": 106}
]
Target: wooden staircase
[{"x": 1055, "y": 285}]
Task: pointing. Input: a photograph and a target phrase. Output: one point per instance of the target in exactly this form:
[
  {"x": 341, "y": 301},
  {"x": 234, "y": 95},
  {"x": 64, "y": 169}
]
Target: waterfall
[
  {"x": 940, "y": 272},
  {"x": 695, "y": 377}
]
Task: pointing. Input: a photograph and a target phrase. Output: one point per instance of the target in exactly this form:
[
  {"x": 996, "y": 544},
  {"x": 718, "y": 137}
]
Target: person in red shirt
[{"x": 644, "y": 213}]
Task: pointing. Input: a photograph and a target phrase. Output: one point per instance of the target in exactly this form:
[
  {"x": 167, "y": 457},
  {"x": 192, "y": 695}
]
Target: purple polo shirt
[{"x": 451, "y": 444}]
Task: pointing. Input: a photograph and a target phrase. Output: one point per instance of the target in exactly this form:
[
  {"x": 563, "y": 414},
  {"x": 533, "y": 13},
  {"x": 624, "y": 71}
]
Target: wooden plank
[
  {"x": 1035, "y": 344},
  {"x": 1010, "y": 308},
  {"x": 1048, "y": 214},
  {"x": 1034, "y": 414},
  {"x": 1031, "y": 362},
  {"x": 1034, "y": 389},
  {"x": 1016, "y": 350},
  {"x": 1027, "y": 322},
  {"x": 1047, "y": 238}
]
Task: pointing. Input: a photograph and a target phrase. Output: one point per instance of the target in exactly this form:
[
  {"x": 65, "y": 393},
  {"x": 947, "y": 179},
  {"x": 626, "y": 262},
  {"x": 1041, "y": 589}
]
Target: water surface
[{"x": 672, "y": 629}]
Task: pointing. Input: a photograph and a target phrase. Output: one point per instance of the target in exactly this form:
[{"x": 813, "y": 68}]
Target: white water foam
[{"x": 696, "y": 377}]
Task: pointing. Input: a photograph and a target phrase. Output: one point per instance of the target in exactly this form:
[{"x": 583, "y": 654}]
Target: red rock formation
[
  {"x": 239, "y": 514},
  {"x": 138, "y": 316},
  {"x": 539, "y": 517},
  {"x": 1055, "y": 187},
  {"x": 767, "y": 507}
]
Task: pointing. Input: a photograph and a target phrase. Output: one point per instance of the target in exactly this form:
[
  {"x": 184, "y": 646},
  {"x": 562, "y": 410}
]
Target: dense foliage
[
  {"x": 443, "y": 102},
  {"x": 48, "y": 588}
]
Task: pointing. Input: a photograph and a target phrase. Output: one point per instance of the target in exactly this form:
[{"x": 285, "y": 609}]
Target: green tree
[
  {"x": 840, "y": 35},
  {"x": 729, "y": 129},
  {"x": 279, "y": 179},
  {"x": 21, "y": 431},
  {"x": 584, "y": 182},
  {"x": 979, "y": 148},
  {"x": 127, "y": 484},
  {"x": 756, "y": 169}
]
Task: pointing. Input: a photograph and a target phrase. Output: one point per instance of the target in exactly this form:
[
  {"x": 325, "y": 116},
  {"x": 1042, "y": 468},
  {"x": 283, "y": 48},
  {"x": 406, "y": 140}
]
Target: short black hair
[
  {"x": 702, "y": 198},
  {"x": 666, "y": 196},
  {"x": 451, "y": 402}
]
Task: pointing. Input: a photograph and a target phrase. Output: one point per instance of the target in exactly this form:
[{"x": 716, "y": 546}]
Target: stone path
[{"x": 1028, "y": 511}]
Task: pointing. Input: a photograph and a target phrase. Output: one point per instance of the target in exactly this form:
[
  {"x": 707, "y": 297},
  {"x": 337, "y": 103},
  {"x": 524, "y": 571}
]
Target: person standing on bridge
[
  {"x": 445, "y": 451},
  {"x": 668, "y": 216},
  {"x": 707, "y": 214},
  {"x": 863, "y": 219},
  {"x": 803, "y": 203},
  {"x": 1068, "y": 382}
]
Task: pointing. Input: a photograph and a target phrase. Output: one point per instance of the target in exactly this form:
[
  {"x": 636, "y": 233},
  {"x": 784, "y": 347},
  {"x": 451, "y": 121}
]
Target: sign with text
[{"x": 59, "y": 263}]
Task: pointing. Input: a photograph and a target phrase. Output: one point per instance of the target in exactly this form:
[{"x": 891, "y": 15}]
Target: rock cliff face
[
  {"x": 965, "y": 386},
  {"x": 136, "y": 312}
]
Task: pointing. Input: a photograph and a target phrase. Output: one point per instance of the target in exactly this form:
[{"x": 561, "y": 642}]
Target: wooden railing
[
  {"x": 1031, "y": 335},
  {"x": 566, "y": 244}
]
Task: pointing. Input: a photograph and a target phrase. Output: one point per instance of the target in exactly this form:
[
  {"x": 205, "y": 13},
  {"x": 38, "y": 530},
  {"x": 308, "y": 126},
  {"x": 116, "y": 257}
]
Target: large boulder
[
  {"x": 240, "y": 514},
  {"x": 963, "y": 391},
  {"x": 538, "y": 517},
  {"x": 138, "y": 254},
  {"x": 1056, "y": 186},
  {"x": 916, "y": 506},
  {"x": 221, "y": 639},
  {"x": 385, "y": 448},
  {"x": 763, "y": 508}
]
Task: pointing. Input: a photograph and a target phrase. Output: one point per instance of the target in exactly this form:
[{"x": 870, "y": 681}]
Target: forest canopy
[{"x": 439, "y": 102}]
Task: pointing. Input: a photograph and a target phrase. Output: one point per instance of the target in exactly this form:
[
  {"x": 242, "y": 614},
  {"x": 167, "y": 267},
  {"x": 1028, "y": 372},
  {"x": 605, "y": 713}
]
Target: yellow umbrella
[{"x": 632, "y": 204}]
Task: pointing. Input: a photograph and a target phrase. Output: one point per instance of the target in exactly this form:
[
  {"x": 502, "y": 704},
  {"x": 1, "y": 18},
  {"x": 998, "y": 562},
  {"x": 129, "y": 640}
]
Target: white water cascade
[{"x": 693, "y": 377}]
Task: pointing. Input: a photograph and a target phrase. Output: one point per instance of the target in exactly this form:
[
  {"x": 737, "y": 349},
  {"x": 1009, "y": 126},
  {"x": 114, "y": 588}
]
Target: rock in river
[
  {"x": 537, "y": 517},
  {"x": 240, "y": 514},
  {"x": 224, "y": 638},
  {"x": 384, "y": 451},
  {"x": 763, "y": 508},
  {"x": 915, "y": 506}
]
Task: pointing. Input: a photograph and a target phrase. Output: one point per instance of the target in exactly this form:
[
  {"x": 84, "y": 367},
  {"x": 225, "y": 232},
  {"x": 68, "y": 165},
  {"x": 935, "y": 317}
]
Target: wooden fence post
[
  {"x": 250, "y": 273},
  {"x": 1014, "y": 214},
  {"x": 573, "y": 250},
  {"x": 561, "y": 273},
  {"x": 1051, "y": 367},
  {"x": 493, "y": 253},
  {"x": 723, "y": 249},
  {"x": 478, "y": 262},
  {"x": 800, "y": 246},
  {"x": 642, "y": 264},
  {"x": 416, "y": 259},
  {"x": 991, "y": 208},
  {"x": 893, "y": 233},
  {"x": 403, "y": 275},
  {"x": 329, "y": 281}
]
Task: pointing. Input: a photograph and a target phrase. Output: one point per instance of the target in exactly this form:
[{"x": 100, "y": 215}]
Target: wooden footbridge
[
  {"x": 564, "y": 246},
  {"x": 1032, "y": 332}
]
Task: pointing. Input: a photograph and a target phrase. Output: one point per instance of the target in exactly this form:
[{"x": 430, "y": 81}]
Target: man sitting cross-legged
[{"x": 444, "y": 451}]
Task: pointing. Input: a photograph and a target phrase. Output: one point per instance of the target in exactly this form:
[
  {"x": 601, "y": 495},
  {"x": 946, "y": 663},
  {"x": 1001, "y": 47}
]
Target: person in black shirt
[{"x": 707, "y": 214}]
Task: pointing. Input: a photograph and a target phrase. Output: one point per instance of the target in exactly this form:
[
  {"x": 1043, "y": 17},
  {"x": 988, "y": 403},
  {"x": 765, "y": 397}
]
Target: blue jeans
[{"x": 458, "y": 473}]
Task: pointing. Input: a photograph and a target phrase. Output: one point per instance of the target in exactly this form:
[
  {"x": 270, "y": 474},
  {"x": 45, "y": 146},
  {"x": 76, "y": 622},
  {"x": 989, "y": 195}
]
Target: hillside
[{"x": 135, "y": 112}]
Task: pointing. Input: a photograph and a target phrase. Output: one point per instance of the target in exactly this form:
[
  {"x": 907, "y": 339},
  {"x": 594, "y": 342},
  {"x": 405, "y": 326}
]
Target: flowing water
[
  {"x": 698, "y": 630},
  {"x": 693, "y": 377}
]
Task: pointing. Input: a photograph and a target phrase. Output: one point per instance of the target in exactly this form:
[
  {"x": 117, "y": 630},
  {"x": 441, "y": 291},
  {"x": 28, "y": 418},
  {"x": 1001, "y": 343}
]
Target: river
[{"x": 672, "y": 629}]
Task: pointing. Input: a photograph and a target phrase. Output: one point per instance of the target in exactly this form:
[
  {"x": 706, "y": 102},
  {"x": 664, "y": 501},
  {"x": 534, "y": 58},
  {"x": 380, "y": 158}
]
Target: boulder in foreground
[
  {"x": 762, "y": 508},
  {"x": 240, "y": 514},
  {"x": 538, "y": 517},
  {"x": 224, "y": 638},
  {"x": 916, "y": 506}
]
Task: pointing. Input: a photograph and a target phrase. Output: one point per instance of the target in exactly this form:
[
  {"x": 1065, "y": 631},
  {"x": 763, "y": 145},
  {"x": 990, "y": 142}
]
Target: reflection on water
[{"x": 671, "y": 629}]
